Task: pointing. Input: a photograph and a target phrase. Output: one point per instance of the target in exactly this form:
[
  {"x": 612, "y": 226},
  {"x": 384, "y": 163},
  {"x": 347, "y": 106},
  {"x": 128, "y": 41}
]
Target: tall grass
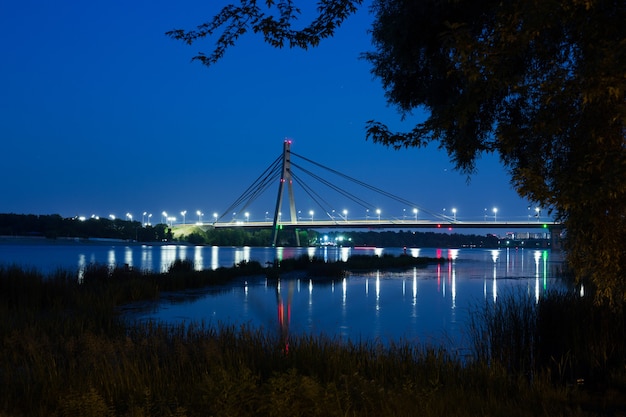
[
  {"x": 563, "y": 339},
  {"x": 65, "y": 352},
  {"x": 504, "y": 333}
]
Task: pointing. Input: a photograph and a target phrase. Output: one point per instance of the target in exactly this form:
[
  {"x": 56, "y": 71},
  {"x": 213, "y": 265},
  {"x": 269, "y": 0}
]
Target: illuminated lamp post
[
  {"x": 183, "y": 213},
  {"x": 311, "y": 213},
  {"x": 378, "y": 212},
  {"x": 415, "y": 211},
  {"x": 495, "y": 214}
]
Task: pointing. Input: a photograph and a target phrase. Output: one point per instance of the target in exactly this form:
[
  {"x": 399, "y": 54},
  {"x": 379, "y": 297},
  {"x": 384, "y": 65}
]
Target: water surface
[{"x": 428, "y": 305}]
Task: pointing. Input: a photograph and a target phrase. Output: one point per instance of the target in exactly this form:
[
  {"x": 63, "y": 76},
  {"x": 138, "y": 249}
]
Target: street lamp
[
  {"x": 345, "y": 215},
  {"x": 311, "y": 213},
  {"x": 415, "y": 211},
  {"x": 183, "y": 213},
  {"x": 149, "y": 217},
  {"x": 163, "y": 217},
  {"x": 143, "y": 218},
  {"x": 200, "y": 214},
  {"x": 247, "y": 217},
  {"x": 495, "y": 213},
  {"x": 454, "y": 214},
  {"x": 130, "y": 216},
  {"x": 215, "y": 217},
  {"x": 537, "y": 210},
  {"x": 403, "y": 214},
  {"x": 378, "y": 212}
]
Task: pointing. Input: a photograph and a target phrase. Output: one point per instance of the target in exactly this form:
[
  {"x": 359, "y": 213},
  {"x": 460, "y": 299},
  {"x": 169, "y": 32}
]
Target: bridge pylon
[{"x": 285, "y": 178}]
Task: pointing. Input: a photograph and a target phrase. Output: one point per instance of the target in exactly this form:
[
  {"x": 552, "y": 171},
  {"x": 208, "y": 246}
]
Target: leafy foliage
[
  {"x": 277, "y": 29},
  {"x": 540, "y": 83}
]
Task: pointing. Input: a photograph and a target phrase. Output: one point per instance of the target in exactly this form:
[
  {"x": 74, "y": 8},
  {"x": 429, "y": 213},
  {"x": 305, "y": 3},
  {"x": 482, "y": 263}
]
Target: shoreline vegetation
[{"x": 67, "y": 351}]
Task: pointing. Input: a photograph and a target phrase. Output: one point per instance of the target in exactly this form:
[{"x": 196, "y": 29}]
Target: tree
[
  {"x": 540, "y": 83},
  {"x": 277, "y": 30}
]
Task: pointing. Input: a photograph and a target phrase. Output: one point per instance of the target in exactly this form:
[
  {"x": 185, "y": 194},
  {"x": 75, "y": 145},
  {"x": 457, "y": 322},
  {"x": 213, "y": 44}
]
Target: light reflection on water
[
  {"x": 48, "y": 256},
  {"x": 428, "y": 305},
  {"x": 425, "y": 304}
]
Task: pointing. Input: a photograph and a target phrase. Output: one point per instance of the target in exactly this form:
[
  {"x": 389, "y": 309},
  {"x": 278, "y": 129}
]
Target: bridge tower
[{"x": 285, "y": 178}]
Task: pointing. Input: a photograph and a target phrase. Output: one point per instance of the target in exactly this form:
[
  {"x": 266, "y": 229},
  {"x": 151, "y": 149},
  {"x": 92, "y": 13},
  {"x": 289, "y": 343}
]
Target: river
[{"x": 426, "y": 305}]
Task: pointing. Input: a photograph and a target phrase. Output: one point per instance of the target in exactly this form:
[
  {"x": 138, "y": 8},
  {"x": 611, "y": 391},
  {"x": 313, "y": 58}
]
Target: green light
[{"x": 545, "y": 226}]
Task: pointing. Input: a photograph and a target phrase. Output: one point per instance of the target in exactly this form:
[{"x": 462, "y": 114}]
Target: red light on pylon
[{"x": 439, "y": 226}]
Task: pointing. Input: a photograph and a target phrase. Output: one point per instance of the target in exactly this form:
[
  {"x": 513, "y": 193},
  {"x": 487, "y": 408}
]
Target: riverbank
[
  {"x": 77, "y": 241},
  {"x": 41, "y": 240},
  {"x": 66, "y": 351}
]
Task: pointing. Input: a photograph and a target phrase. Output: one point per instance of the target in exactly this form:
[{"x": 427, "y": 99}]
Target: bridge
[
  {"x": 281, "y": 172},
  {"x": 391, "y": 224}
]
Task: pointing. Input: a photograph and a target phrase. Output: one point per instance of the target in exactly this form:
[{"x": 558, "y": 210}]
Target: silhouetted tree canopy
[
  {"x": 274, "y": 20},
  {"x": 540, "y": 83}
]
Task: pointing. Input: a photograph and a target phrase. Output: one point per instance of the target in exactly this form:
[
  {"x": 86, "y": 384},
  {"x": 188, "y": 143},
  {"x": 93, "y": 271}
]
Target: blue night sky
[{"x": 101, "y": 113}]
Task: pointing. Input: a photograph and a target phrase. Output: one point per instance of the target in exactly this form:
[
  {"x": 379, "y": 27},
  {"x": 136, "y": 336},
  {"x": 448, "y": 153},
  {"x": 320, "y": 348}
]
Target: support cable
[
  {"x": 372, "y": 188},
  {"x": 311, "y": 193},
  {"x": 274, "y": 171},
  {"x": 257, "y": 187},
  {"x": 352, "y": 197}
]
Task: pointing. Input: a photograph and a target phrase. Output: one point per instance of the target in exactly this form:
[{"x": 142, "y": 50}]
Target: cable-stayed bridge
[{"x": 290, "y": 169}]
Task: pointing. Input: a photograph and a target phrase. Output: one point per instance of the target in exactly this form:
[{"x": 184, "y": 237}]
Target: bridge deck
[{"x": 391, "y": 224}]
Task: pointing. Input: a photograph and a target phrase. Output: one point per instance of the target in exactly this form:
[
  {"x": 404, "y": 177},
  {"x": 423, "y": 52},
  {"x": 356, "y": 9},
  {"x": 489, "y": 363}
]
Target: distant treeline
[
  {"x": 261, "y": 237},
  {"x": 55, "y": 226},
  {"x": 418, "y": 239}
]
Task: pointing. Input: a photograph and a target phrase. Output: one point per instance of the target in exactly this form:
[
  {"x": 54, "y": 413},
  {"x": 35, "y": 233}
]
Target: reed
[
  {"x": 66, "y": 352},
  {"x": 318, "y": 269},
  {"x": 564, "y": 338}
]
